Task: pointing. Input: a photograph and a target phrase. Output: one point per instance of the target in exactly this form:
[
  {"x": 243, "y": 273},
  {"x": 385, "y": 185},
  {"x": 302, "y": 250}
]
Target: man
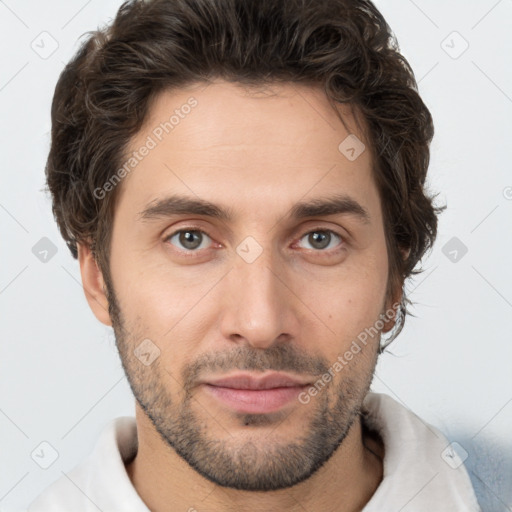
[{"x": 242, "y": 183}]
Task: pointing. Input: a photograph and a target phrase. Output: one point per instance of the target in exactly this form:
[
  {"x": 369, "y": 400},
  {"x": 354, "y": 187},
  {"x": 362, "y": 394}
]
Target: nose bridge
[{"x": 258, "y": 309}]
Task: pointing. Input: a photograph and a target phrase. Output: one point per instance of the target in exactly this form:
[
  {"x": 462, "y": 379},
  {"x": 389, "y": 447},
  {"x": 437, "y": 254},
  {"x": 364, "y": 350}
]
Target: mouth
[{"x": 245, "y": 393}]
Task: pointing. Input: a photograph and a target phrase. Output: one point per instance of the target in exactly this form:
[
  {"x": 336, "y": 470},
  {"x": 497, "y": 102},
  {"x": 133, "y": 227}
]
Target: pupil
[
  {"x": 189, "y": 239},
  {"x": 322, "y": 236}
]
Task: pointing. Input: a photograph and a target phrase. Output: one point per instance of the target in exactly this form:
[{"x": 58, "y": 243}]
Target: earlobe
[
  {"x": 392, "y": 311},
  {"x": 93, "y": 284},
  {"x": 390, "y": 316}
]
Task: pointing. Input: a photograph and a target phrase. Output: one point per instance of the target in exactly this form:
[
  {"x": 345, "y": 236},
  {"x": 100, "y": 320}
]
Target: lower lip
[{"x": 255, "y": 400}]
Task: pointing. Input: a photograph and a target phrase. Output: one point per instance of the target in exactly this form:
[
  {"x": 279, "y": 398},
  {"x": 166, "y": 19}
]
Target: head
[{"x": 289, "y": 249}]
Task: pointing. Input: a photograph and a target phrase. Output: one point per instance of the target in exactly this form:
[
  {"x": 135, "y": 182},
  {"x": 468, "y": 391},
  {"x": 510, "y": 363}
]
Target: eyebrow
[{"x": 320, "y": 207}]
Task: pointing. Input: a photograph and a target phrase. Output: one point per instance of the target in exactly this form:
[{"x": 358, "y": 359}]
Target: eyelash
[{"x": 314, "y": 230}]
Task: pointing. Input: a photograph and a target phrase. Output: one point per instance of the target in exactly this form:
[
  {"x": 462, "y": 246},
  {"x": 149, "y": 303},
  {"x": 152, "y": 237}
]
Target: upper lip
[{"x": 249, "y": 381}]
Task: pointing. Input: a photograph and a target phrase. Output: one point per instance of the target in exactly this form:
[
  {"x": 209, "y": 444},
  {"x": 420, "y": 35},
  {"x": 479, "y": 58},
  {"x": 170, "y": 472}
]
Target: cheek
[
  {"x": 173, "y": 313},
  {"x": 352, "y": 302},
  {"x": 156, "y": 294}
]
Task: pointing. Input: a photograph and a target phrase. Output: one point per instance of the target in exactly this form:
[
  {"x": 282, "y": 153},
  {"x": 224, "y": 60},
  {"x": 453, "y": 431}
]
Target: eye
[
  {"x": 190, "y": 239},
  {"x": 321, "y": 239}
]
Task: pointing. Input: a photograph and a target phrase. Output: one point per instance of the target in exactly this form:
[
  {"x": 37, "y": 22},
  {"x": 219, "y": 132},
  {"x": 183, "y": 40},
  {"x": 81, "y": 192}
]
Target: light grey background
[{"x": 61, "y": 379}]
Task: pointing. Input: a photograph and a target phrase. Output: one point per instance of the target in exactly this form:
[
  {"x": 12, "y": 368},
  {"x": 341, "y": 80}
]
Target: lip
[
  {"x": 246, "y": 393},
  {"x": 250, "y": 381}
]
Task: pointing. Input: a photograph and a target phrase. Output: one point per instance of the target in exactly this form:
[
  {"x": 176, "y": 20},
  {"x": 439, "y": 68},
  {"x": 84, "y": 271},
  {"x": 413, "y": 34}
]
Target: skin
[{"x": 295, "y": 308}]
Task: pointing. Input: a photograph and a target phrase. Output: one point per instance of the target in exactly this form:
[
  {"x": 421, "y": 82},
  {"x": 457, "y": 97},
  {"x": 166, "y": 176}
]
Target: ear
[
  {"x": 391, "y": 312},
  {"x": 93, "y": 283},
  {"x": 392, "y": 308}
]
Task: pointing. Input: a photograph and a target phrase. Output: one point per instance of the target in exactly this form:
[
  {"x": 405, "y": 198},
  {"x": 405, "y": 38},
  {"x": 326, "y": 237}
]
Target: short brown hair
[{"x": 102, "y": 98}]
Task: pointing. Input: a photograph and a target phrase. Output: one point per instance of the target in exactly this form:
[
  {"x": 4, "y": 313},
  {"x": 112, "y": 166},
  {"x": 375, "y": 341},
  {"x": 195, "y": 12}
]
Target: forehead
[
  {"x": 225, "y": 113},
  {"x": 230, "y": 142}
]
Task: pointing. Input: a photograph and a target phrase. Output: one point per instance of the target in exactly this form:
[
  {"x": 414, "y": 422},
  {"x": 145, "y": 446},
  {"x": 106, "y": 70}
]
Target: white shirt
[{"x": 421, "y": 473}]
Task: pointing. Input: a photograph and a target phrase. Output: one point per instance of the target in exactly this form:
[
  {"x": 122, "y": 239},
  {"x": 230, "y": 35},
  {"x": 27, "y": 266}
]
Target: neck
[{"x": 346, "y": 481}]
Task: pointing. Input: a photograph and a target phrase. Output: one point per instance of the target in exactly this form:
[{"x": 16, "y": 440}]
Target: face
[{"x": 245, "y": 243}]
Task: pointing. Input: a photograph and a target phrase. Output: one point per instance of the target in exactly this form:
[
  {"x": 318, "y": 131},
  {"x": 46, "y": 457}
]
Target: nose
[{"x": 258, "y": 306}]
